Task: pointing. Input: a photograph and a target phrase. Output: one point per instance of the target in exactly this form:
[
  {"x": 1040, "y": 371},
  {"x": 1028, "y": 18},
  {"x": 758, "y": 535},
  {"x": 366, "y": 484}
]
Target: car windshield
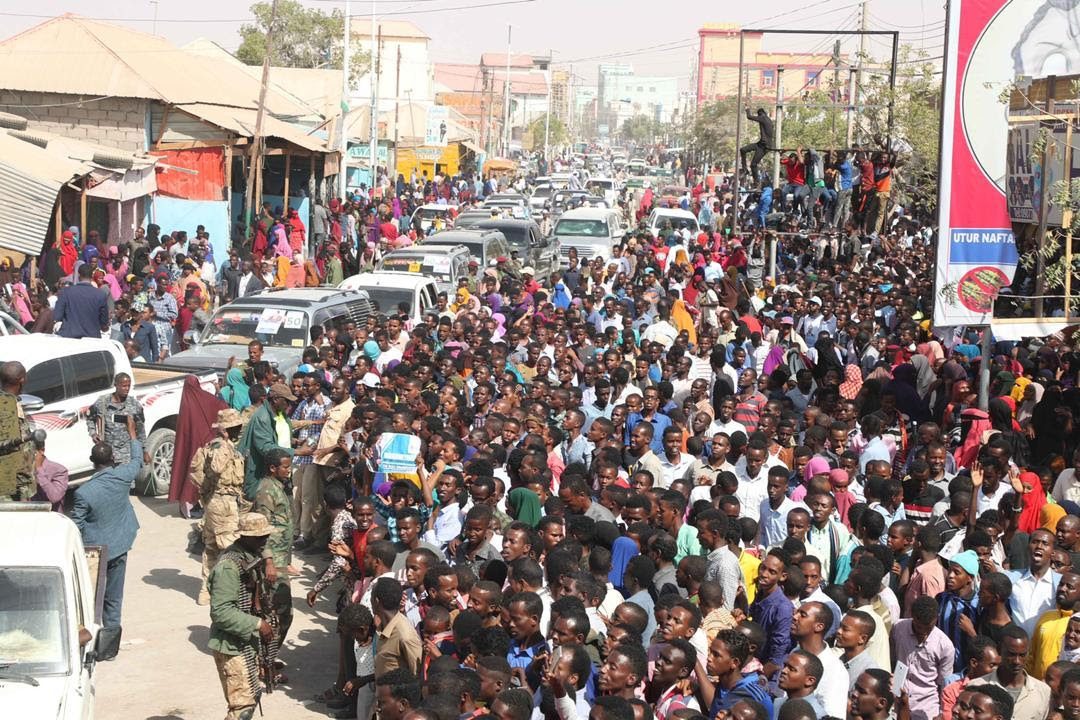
[
  {"x": 387, "y": 299},
  {"x": 599, "y": 186},
  {"x": 432, "y": 213},
  {"x": 422, "y": 264},
  {"x": 543, "y": 192},
  {"x": 476, "y": 248},
  {"x": 33, "y": 621},
  {"x": 674, "y": 221},
  {"x": 589, "y": 228},
  {"x": 271, "y": 326}
]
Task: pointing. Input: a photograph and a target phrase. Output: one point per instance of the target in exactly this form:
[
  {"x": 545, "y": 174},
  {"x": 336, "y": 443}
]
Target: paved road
[{"x": 164, "y": 670}]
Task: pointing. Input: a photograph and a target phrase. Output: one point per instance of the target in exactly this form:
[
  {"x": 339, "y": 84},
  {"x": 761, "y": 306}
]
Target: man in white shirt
[
  {"x": 1034, "y": 590},
  {"x": 1067, "y": 486},
  {"x": 662, "y": 330},
  {"x": 808, "y": 626},
  {"x": 387, "y": 352},
  {"x": 772, "y": 525},
  {"x": 674, "y": 462},
  {"x": 753, "y": 480},
  {"x": 723, "y": 422}
]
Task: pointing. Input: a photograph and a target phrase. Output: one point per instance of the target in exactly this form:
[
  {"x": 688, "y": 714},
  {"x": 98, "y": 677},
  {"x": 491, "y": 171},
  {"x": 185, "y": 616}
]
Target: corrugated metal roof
[
  {"x": 242, "y": 122},
  {"x": 30, "y": 178},
  {"x": 390, "y": 28},
  {"x": 77, "y": 56}
]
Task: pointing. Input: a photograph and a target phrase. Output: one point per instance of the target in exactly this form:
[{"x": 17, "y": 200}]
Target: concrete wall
[{"x": 112, "y": 122}]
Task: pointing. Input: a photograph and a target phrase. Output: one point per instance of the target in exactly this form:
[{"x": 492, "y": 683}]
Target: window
[
  {"x": 652, "y": 89},
  {"x": 92, "y": 372},
  {"x": 46, "y": 381},
  {"x": 768, "y": 77},
  {"x": 812, "y": 78}
]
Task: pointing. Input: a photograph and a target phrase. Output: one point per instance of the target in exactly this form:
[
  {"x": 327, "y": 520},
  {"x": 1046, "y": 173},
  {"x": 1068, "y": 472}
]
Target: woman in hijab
[
  {"x": 908, "y": 401},
  {"x": 840, "y": 480},
  {"x": 236, "y": 391},
  {"x": 297, "y": 232},
  {"x": 622, "y": 552},
  {"x": 817, "y": 467},
  {"x": 975, "y": 423},
  {"x": 1003, "y": 384},
  {"x": 1033, "y": 393},
  {"x": 1001, "y": 420},
  {"x": 826, "y": 357},
  {"x": 729, "y": 289},
  {"x": 524, "y": 506},
  {"x": 849, "y": 389},
  {"x": 925, "y": 377}
]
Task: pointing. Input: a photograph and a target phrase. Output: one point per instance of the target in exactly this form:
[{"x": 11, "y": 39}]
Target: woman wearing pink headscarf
[
  {"x": 978, "y": 422},
  {"x": 818, "y": 466},
  {"x": 838, "y": 478}
]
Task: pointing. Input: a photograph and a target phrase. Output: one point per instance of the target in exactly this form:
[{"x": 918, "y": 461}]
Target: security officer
[
  {"x": 234, "y": 629},
  {"x": 273, "y": 502},
  {"x": 16, "y": 443},
  {"x": 217, "y": 469}
]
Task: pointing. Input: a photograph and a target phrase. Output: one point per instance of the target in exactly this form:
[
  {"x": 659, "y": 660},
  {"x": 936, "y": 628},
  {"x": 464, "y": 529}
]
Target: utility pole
[
  {"x": 779, "y": 128},
  {"x": 397, "y": 94},
  {"x": 835, "y": 88},
  {"x": 254, "y": 179},
  {"x": 864, "y": 26},
  {"x": 373, "y": 141},
  {"x": 345, "y": 93},
  {"x": 547, "y": 115},
  {"x": 506, "y": 96}
]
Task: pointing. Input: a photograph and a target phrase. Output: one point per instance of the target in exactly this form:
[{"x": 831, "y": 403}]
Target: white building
[{"x": 417, "y": 74}]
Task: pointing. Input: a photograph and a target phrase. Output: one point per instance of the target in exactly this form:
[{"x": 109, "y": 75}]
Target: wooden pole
[
  {"x": 288, "y": 168},
  {"x": 82, "y": 212},
  {"x": 1040, "y": 240},
  {"x": 255, "y": 169},
  {"x": 1066, "y": 217}
]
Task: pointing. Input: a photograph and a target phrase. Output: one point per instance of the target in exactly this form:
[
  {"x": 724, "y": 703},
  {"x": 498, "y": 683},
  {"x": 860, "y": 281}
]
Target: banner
[
  {"x": 1025, "y": 174},
  {"x": 989, "y": 42},
  {"x": 438, "y": 125},
  {"x": 397, "y": 453}
]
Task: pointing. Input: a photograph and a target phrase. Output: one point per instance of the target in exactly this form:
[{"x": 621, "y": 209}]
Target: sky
[{"x": 656, "y": 37}]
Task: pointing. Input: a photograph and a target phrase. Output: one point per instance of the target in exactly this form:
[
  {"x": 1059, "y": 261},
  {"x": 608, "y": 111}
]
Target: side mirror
[
  {"x": 31, "y": 403},
  {"x": 107, "y": 644}
]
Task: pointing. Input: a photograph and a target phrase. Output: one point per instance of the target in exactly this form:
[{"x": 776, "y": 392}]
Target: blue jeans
[{"x": 114, "y": 590}]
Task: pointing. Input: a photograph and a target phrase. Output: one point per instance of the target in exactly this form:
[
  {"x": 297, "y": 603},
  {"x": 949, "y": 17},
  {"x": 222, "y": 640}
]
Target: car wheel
[{"x": 156, "y": 477}]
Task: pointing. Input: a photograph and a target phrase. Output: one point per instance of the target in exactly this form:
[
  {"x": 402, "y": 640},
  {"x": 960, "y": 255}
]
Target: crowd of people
[{"x": 661, "y": 483}]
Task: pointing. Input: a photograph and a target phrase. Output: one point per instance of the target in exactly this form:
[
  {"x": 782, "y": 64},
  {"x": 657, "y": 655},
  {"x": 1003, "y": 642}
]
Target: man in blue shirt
[
  {"x": 651, "y": 414},
  {"x": 82, "y": 308},
  {"x": 525, "y": 610},
  {"x": 843, "y": 199},
  {"x": 772, "y": 610},
  {"x": 728, "y": 654}
]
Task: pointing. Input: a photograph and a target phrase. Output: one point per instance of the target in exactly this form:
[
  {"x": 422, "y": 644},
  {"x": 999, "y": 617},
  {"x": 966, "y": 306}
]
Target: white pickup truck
[
  {"x": 65, "y": 376},
  {"x": 50, "y": 615}
]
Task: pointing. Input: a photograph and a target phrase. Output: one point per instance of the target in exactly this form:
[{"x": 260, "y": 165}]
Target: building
[
  {"x": 607, "y": 75},
  {"x": 461, "y": 86},
  {"x": 115, "y": 87},
  {"x": 718, "y": 66},
  {"x": 528, "y": 79},
  {"x": 560, "y": 95},
  {"x": 410, "y": 80},
  {"x": 631, "y": 95}
]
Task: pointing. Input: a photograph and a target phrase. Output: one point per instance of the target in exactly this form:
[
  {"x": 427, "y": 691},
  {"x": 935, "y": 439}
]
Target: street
[{"x": 164, "y": 670}]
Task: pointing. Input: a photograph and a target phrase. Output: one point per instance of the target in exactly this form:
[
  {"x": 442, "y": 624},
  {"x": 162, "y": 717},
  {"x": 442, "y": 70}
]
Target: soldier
[
  {"x": 217, "y": 469},
  {"x": 16, "y": 443},
  {"x": 108, "y": 420},
  {"x": 234, "y": 630},
  {"x": 273, "y": 502}
]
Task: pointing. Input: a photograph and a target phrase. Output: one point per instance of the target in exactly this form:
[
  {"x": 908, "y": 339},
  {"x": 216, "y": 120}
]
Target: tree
[
  {"x": 303, "y": 38},
  {"x": 710, "y": 133},
  {"x": 641, "y": 129},
  {"x": 557, "y": 133}
]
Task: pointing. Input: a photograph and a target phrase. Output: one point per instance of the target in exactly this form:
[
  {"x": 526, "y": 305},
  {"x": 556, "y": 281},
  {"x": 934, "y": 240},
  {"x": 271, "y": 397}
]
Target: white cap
[
  {"x": 527, "y": 270},
  {"x": 815, "y": 300},
  {"x": 370, "y": 379}
]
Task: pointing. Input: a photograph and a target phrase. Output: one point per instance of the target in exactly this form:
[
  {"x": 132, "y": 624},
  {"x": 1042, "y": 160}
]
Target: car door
[{"x": 69, "y": 386}]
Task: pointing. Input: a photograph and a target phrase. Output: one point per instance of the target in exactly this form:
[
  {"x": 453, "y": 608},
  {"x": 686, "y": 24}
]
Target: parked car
[
  {"x": 606, "y": 187},
  {"x": 428, "y": 213},
  {"x": 11, "y": 326},
  {"x": 64, "y": 376},
  {"x": 541, "y": 197},
  {"x": 592, "y": 231},
  {"x": 443, "y": 263},
  {"x": 675, "y": 217},
  {"x": 389, "y": 290},
  {"x": 484, "y": 245},
  {"x": 51, "y": 634},
  {"x": 524, "y": 238},
  {"x": 280, "y": 318}
]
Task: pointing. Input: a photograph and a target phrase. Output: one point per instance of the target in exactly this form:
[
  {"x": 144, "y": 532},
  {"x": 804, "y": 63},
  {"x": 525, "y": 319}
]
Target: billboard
[
  {"x": 438, "y": 126},
  {"x": 989, "y": 43},
  {"x": 1025, "y": 174}
]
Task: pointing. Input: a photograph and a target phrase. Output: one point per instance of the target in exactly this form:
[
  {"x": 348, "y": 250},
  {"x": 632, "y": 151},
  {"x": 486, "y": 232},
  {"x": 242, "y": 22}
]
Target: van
[
  {"x": 445, "y": 264},
  {"x": 483, "y": 245},
  {"x": 591, "y": 231},
  {"x": 51, "y": 634},
  {"x": 389, "y": 290}
]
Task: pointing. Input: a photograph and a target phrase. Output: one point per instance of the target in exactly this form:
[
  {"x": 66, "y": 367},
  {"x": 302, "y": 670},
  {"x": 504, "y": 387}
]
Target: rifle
[{"x": 262, "y": 606}]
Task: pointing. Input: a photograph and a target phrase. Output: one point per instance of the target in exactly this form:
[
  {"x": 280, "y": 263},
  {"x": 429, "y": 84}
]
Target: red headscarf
[{"x": 68, "y": 254}]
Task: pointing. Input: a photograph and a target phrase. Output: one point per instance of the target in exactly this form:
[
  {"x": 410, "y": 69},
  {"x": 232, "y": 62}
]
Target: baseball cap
[
  {"x": 281, "y": 390},
  {"x": 787, "y": 320},
  {"x": 254, "y": 524},
  {"x": 815, "y": 300},
  {"x": 527, "y": 271}
]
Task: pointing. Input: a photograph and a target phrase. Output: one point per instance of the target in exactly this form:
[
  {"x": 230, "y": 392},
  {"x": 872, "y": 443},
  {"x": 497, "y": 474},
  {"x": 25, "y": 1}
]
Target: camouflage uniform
[
  {"x": 16, "y": 451},
  {"x": 272, "y": 501},
  {"x": 103, "y": 426},
  {"x": 217, "y": 469}
]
